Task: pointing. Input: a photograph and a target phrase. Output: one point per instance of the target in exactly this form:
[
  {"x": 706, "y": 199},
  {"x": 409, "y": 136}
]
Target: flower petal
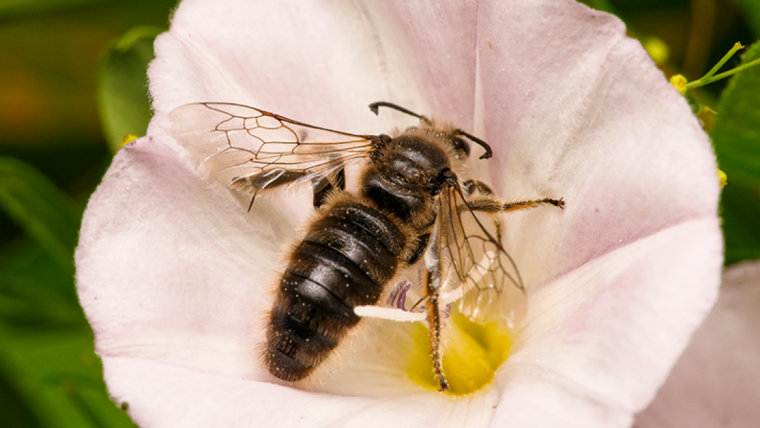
[
  {"x": 170, "y": 396},
  {"x": 715, "y": 383},
  {"x": 610, "y": 330},
  {"x": 587, "y": 117},
  {"x": 172, "y": 271},
  {"x": 624, "y": 275},
  {"x": 166, "y": 278},
  {"x": 321, "y": 63},
  {"x": 438, "y": 42}
]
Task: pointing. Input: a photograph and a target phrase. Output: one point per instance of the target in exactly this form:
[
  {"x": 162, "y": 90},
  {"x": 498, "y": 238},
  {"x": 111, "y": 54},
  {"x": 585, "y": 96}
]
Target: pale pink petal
[
  {"x": 321, "y": 62},
  {"x": 174, "y": 275},
  {"x": 716, "y": 381},
  {"x": 170, "y": 271},
  {"x": 624, "y": 275},
  {"x": 625, "y": 318},
  {"x": 587, "y": 116},
  {"x": 171, "y": 287},
  {"x": 170, "y": 396},
  {"x": 438, "y": 43}
]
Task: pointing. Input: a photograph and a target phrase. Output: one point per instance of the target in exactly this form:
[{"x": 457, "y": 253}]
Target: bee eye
[{"x": 462, "y": 145}]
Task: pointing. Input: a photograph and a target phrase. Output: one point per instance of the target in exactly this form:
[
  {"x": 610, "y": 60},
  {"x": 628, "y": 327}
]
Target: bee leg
[
  {"x": 521, "y": 205},
  {"x": 490, "y": 205},
  {"x": 435, "y": 321},
  {"x": 324, "y": 186},
  {"x": 493, "y": 206}
]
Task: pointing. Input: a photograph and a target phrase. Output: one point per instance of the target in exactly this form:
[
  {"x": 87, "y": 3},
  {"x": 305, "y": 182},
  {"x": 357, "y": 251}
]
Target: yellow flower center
[{"x": 472, "y": 354}]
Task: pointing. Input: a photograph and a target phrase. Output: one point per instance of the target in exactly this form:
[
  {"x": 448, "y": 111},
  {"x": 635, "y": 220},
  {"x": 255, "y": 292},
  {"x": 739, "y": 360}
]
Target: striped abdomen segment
[{"x": 344, "y": 261}]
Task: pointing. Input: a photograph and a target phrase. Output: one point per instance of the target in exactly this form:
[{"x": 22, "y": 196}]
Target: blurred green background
[{"x": 72, "y": 85}]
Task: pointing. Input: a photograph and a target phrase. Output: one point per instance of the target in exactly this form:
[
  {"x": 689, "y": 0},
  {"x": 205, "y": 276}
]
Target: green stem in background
[
  {"x": 711, "y": 77},
  {"x": 682, "y": 85},
  {"x": 704, "y": 81},
  {"x": 723, "y": 60}
]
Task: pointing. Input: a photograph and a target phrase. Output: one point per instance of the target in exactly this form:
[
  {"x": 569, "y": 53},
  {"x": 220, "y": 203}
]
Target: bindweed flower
[
  {"x": 715, "y": 382},
  {"x": 175, "y": 276}
]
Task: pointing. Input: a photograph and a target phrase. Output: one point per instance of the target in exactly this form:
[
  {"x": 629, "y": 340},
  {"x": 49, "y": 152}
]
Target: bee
[{"x": 414, "y": 208}]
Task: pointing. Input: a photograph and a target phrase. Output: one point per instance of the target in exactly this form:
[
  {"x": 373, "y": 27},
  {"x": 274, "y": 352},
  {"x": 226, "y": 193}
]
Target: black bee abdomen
[{"x": 344, "y": 261}]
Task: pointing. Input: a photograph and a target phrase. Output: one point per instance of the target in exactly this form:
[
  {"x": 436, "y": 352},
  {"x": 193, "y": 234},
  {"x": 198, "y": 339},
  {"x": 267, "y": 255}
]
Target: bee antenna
[
  {"x": 478, "y": 141},
  {"x": 375, "y": 109}
]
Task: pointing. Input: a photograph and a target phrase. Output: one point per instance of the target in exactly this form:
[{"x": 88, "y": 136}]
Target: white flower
[
  {"x": 173, "y": 273},
  {"x": 715, "y": 382}
]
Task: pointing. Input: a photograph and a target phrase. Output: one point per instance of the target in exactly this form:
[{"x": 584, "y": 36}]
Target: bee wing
[
  {"x": 469, "y": 264},
  {"x": 249, "y": 149}
]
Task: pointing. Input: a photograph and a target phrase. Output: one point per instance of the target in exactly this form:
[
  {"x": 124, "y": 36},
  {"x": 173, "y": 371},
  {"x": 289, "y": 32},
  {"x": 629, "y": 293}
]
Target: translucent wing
[
  {"x": 469, "y": 263},
  {"x": 254, "y": 150}
]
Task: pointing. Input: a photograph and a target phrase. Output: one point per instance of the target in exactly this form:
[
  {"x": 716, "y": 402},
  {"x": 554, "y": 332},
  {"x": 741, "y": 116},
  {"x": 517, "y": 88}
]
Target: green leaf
[
  {"x": 123, "y": 100},
  {"x": 741, "y": 228},
  {"x": 19, "y": 8},
  {"x": 34, "y": 297},
  {"x": 14, "y": 410},
  {"x": 736, "y": 133},
  {"x": 751, "y": 9},
  {"x": 598, "y": 5},
  {"x": 58, "y": 378},
  {"x": 40, "y": 209}
]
